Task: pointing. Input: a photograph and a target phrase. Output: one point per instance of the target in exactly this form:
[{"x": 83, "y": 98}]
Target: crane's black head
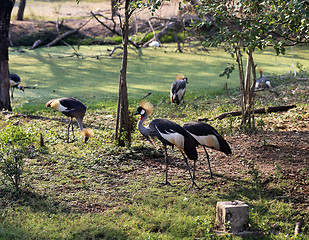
[
  {"x": 141, "y": 111},
  {"x": 21, "y": 88},
  {"x": 145, "y": 109},
  {"x": 185, "y": 78}
]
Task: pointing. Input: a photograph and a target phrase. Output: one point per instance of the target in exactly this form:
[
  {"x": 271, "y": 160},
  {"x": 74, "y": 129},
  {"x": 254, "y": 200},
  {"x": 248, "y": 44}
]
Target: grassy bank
[{"x": 100, "y": 191}]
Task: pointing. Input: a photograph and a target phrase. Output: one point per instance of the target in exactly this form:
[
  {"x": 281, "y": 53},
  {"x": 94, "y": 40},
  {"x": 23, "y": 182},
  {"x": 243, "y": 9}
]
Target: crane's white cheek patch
[
  {"x": 174, "y": 138},
  {"x": 61, "y": 108},
  {"x": 57, "y": 106},
  {"x": 209, "y": 141}
]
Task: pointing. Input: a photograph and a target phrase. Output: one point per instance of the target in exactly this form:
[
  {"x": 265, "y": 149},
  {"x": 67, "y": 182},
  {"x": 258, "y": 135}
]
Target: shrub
[
  {"x": 11, "y": 166},
  {"x": 13, "y": 142}
]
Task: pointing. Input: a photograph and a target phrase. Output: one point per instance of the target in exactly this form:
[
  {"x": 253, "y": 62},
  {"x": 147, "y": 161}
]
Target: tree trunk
[
  {"x": 123, "y": 118},
  {"x": 114, "y": 8},
  {"x": 21, "y": 10},
  {"x": 5, "y": 16},
  {"x": 247, "y": 88}
]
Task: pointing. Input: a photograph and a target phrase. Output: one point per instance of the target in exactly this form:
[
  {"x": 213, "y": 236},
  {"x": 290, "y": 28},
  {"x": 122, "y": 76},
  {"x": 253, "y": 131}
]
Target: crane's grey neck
[
  {"x": 80, "y": 123},
  {"x": 144, "y": 130}
]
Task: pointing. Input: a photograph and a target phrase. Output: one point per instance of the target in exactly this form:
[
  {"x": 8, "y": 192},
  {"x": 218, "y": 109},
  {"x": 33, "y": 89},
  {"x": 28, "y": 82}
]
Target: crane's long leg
[
  {"x": 186, "y": 160},
  {"x": 69, "y": 129},
  {"x": 72, "y": 128},
  {"x": 194, "y": 166},
  {"x": 208, "y": 161},
  {"x": 166, "y": 167}
]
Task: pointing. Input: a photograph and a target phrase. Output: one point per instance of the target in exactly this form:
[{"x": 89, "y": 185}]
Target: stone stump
[{"x": 232, "y": 216}]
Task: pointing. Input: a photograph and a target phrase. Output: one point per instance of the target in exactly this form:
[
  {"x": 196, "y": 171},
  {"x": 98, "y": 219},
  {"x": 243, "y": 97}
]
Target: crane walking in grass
[
  {"x": 178, "y": 89},
  {"x": 207, "y": 136},
  {"x": 15, "y": 83},
  {"x": 72, "y": 108},
  {"x": 170, "y": 134}
]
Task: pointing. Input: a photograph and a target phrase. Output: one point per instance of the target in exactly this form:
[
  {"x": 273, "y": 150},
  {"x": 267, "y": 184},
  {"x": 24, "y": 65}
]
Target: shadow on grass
[{"x": 51, "y": 213}]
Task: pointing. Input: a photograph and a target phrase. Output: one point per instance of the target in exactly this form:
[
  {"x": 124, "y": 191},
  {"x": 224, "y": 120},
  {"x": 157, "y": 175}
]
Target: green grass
[
  {"x": 92, "y": 80},
  {"x": 101, "y": 191}
]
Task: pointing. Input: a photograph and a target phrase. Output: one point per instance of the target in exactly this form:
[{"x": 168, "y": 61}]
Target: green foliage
[
  {"x": 114, "y": 39},
  {"x": 15, "y": 136},
  {"x": 14, "y": 141},
  {"x": 11, "y": 166},
  {"x": 255, "y": 24}
]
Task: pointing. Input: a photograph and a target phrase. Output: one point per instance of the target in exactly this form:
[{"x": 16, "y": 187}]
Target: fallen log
[
  {"x": 62, "y": 36},
  {"x": 259, "y": 111},
  {"x": 68, "y": 33}
]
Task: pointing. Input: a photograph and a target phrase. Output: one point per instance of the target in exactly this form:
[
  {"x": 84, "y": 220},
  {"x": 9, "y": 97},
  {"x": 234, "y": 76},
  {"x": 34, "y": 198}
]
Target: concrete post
[{"x": 232, "y": 216}]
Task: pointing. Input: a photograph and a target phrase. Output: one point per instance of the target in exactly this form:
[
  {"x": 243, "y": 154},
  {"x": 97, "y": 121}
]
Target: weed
[
  {"x": 253, "y": 171},
  {"x": 11, "y": 166},
  {"x": 278, "y": 171}
]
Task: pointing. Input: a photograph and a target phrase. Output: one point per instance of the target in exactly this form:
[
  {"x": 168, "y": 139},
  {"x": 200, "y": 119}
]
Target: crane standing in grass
[
  {"x": 15, "y": 83},
  {"x": 169, "y": 133},
  {"x": 178, "y": 89},
  {"x": 262, "y": 82},
  {"x": 72, "y": 108},
  {"x": 207, "y": 136}
]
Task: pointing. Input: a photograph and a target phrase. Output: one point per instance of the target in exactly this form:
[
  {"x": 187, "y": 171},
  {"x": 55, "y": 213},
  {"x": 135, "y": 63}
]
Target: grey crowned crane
[
  {"x": 14, "y": 83},
  {"x": 207, "y": 136},
  {"x": 262, "y": 82},
  {"x": 178, "y": 89},
  {"x": 72, "y": 108},
  {"x": 169, "y": 133}
]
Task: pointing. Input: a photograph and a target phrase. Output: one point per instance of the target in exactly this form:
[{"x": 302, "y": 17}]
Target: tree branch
[{"x": 259, "y": 110}]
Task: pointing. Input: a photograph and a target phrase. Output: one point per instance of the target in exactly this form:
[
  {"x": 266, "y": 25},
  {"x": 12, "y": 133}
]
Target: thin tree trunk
[
  {"x": 5, "y": 16},
  {"x": 114, "y": 8},
  {"x": 247, "y": 90},
  {"x": 124, "y": 136},
  {"x": 21, "y": 10},
  {"x": 242, "y": 83}
]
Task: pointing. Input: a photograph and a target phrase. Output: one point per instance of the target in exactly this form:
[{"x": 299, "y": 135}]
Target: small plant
[
  {"x": 253, "y": 171},
  {"x": 278, "y": 171},
  {"x": 206, "y": 226},
  {"x": 11, "y": 166},
  {"x": 15, "y": 144}
]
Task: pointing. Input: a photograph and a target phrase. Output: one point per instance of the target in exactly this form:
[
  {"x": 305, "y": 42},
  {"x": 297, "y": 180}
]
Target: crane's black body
[
  {"x": 170, "y": 134},
  {"x": 178, "y": 90},
  {"x": 72, "y": 108},
  {"x": 14, "y": 83},
  {"x": 207, "y": 136},
  {"x": 262, "y": 82}
]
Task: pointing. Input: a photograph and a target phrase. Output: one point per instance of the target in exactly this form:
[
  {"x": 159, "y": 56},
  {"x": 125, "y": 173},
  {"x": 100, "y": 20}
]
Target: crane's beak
[{"x": 136, "y": 113}]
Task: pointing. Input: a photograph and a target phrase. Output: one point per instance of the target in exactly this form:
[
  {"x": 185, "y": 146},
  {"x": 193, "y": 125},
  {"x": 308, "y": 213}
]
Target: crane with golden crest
[
  {"x": 169, "y": 133},
  {"x": 178, "y": 89},
  {"x": 72, "y": 108}
]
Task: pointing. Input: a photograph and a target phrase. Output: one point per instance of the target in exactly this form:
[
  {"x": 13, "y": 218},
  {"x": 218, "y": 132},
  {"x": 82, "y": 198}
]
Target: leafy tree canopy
[{"x": 252, "y": 24}]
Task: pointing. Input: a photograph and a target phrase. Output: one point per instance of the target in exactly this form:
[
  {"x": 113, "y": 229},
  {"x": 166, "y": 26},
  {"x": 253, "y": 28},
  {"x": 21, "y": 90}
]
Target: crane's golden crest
[
  {"x": 87, "y": 132},
  {"x": 180, "y": 76},
  {"x": 260, "y": 70},
  {"x": 147, "y": 106}
]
